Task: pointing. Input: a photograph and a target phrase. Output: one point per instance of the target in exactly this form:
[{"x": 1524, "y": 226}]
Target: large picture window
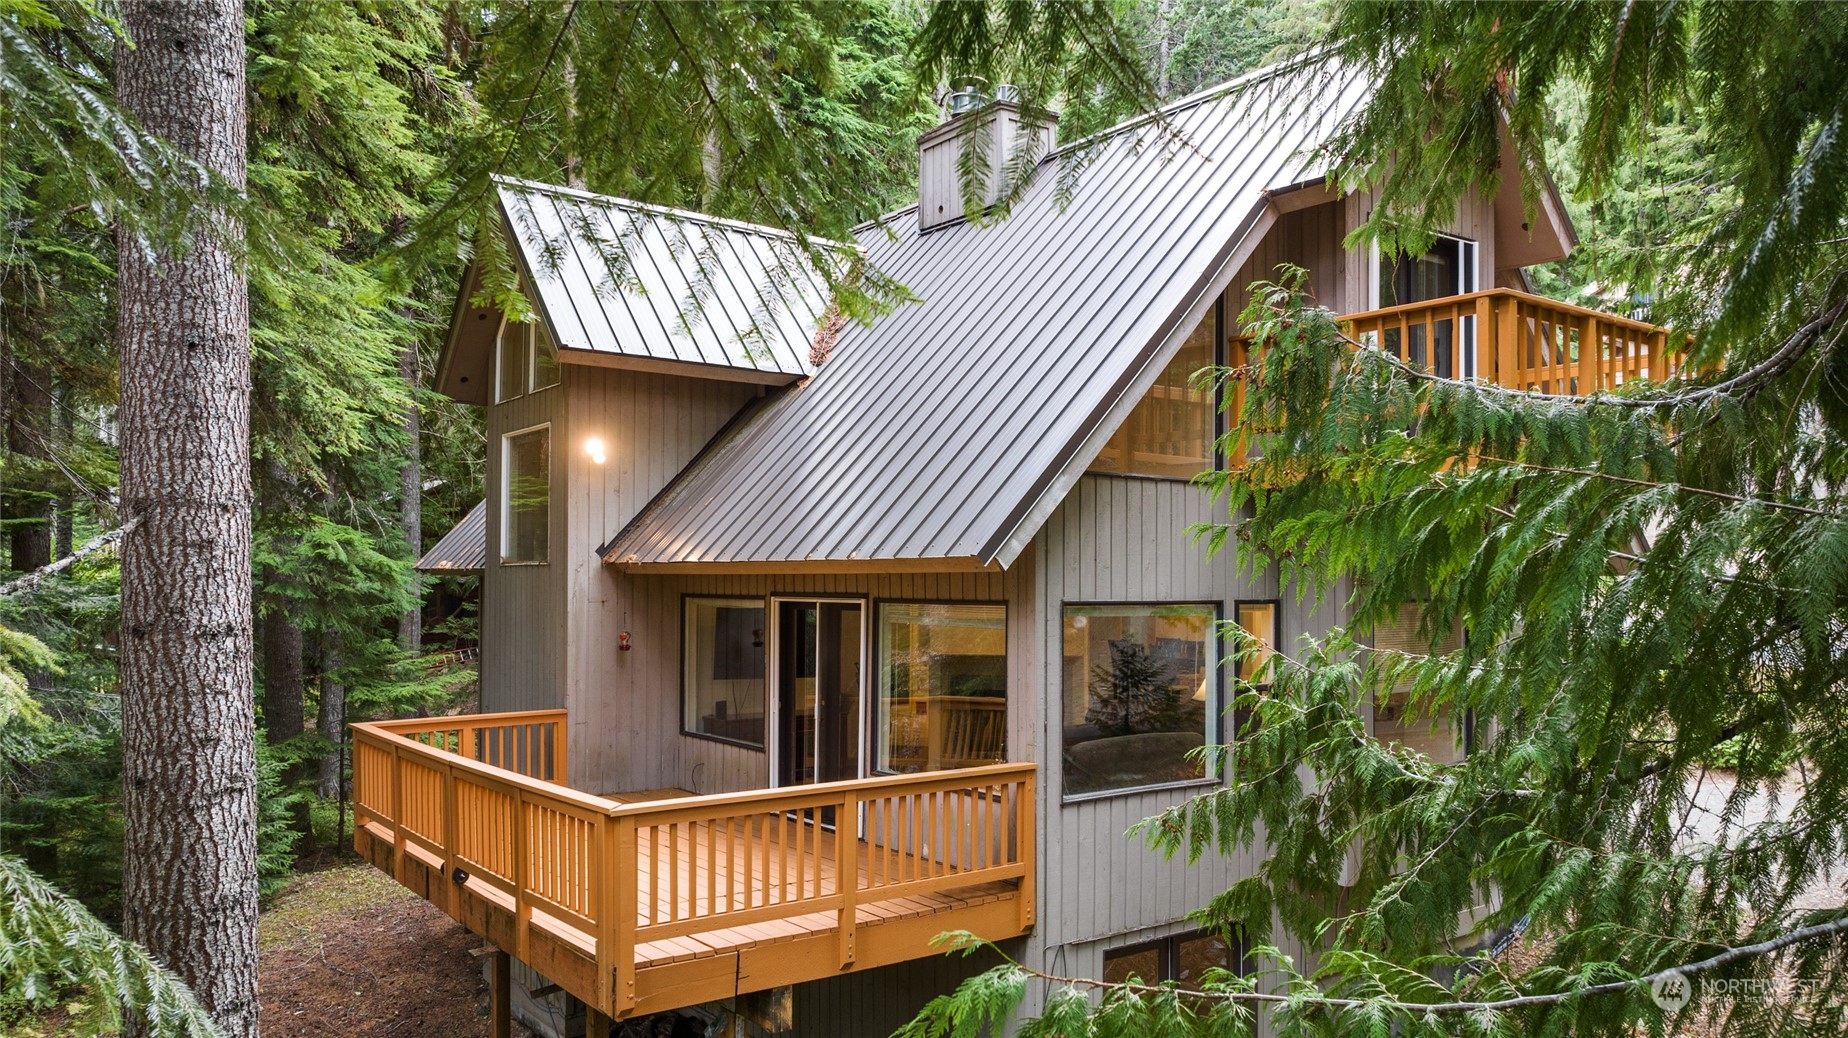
[
  {"x": 1173, "y": 429},
  {"x": 1140, "y": 694},
  {"x": 722, "y": 669},
  {"x": 526, "y": 495},
  {"x": 942, "y": 695}
]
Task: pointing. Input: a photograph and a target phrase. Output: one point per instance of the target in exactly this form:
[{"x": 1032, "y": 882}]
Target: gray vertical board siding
[
  {"x": 652, "y": 426},
  {"x": 631, "y": 709},
  {"x": 1100, "y": 882},
  {"x": 523, "y": 610},
  {"x": 931, "y": 433}
]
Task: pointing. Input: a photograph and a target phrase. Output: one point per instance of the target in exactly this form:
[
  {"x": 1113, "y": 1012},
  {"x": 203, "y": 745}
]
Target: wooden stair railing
[{"x": 619, "y": 875}]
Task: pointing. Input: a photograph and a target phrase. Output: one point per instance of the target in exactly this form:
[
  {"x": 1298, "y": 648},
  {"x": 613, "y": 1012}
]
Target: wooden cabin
[{"x": 801, "y": 639}]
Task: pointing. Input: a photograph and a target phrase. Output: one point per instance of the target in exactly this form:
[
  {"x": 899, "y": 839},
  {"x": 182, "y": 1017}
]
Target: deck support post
[
  {"x": 500, "y": 994},
  {"x": 596, "y": 1022},
  {"x": 847, "y": 872}
]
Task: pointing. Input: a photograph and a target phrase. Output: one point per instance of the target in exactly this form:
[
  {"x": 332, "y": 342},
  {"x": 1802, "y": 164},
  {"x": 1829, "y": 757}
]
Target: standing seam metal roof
[
  {"x": 464, "y": 549},
  {"x": 619, "y": 277},
  {"x": 935, "y": 432}
]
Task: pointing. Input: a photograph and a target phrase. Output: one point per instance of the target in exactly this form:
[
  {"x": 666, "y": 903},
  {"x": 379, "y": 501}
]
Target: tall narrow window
[
  {"x": 1259, "y": 622},
  {"x": 545, "y": 356},
  {"x": 1172, "y": 430},
  {"x": 1435, "y": 737},
  {"x": 1140, "y": 694},
  {"x": 526, "y": 495},
  {"x": 942, "y": 696},
  {"x": 526, "y": 359},
  {"x": 510, "y": 362},
  {"x": 722, "y": 667}
]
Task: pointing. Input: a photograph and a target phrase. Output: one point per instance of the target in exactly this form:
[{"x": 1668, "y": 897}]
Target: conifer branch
[
  {"x": 32, "y": 580},
  {"x": 1819, "y": 931},
  {"x": 1653, "y": 485}
]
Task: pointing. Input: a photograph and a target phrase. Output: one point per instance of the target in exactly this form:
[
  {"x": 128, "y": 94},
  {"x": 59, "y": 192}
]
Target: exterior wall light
[{"x": 594, "y": 448}]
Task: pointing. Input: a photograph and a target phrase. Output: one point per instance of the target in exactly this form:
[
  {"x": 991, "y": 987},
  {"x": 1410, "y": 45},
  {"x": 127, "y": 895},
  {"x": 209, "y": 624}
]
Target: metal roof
[
  {"x": 664, "y": 285},
  {"x": 464, "y": 549},
  {"x": 951, "y": 428}
]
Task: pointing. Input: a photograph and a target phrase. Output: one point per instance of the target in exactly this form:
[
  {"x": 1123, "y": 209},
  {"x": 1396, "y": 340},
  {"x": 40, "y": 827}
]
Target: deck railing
[
  {"x": 1521, "y": 341},
  {"x": 470, "y": 798}
]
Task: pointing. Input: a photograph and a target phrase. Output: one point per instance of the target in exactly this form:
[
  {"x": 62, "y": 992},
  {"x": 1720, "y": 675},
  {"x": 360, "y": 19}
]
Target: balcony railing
[
  {"x": 642, "y": 907},
  {"x": 1521, "y": 341}
]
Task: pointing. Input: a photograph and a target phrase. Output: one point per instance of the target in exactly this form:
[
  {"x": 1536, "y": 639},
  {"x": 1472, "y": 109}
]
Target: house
[{"x": 804, "y": 641}]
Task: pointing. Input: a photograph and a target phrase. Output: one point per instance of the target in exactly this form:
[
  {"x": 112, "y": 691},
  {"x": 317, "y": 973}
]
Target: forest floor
[{"x": 344, "y": 951}]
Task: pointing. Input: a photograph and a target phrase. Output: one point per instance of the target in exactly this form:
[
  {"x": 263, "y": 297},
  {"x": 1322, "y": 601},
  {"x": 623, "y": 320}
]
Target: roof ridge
[
  {"x": 1199, "y": 97},
  {"x": 688, "y": 215}
]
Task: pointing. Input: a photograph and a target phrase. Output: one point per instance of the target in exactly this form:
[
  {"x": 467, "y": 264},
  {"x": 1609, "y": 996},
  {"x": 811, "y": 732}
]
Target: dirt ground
[{"x": 346, "y": 952}]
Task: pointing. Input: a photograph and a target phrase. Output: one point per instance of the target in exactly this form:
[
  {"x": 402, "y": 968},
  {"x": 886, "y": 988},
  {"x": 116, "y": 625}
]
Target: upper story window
[
  {"x": 1259, "y": 621},
  {"x": 942, "y": 697},
  {"x": 526, "y": 359},
  {"x": 1447, "y": 343},
  {"x": 1172, "y": 431},
  {"x": 1141, "y": 693},
  {"x": 722, "y": 658},
  {"x": 1436, "y": 737},
  {"x": 526, "y": 495},
  {"x": 1449, "y": 269}
]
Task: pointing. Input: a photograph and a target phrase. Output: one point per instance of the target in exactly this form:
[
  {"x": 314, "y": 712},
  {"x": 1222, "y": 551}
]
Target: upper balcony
[
  {"x": 1521, "y": 341},
  {"x": 644, "y": 902},
  {"x": 1499, "y": 337}
]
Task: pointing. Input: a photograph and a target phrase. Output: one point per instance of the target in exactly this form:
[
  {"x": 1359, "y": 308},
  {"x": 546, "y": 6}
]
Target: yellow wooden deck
[{"x": 644, "y": 901}]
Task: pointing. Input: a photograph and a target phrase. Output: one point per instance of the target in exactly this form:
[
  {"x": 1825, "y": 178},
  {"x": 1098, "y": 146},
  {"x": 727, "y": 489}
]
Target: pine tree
[
  {"x": 1653, "y": 583},
  {"x": 188, "y": 732}
]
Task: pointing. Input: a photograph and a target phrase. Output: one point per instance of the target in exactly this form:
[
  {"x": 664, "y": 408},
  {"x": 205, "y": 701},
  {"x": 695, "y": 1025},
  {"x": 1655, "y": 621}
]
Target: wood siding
[
  {"x": 626, "y": 724},
  {"x": 653, "y": 426},
  {"x": 1308, "y": 238},
  {"x": 522, "y": 606}
]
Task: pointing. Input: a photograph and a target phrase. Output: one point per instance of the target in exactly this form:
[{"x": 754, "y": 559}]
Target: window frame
[
  {"x": 1221, "y": 340},
  {"x": 506, "y": 494},
  {"x": 1215, "y": 705},
  {"x": 876, "y": 638},
  {"x": 686, "y": 598},
  {"x": 534, "y": 328},
  {"x": 1467, "y": 744},
  {"x": 501, "y": 393},
  {"x": 1168, "y": 949}
]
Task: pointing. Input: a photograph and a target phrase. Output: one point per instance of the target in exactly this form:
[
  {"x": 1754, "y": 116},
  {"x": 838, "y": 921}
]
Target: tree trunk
[
  {"x": 189, "y": 876},
  {"x": 282, "y": 672},
  {"x": 1164, "y": 35},
  {"x": 283, "y": 685},
  {"x": 28, "y": 506},
  {"x": 65, "y": 533},
  {"x": 331, "y": 718},
  {"x": 410, "y": 498}
]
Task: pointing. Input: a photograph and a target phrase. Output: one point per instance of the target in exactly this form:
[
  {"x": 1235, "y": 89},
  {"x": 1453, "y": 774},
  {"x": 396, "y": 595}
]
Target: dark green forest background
[{"x": 373, "y": 128}]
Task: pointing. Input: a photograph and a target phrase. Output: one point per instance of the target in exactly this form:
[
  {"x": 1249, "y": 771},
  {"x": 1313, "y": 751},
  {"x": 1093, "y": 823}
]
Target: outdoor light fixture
[{"x": 594, "y": 448}]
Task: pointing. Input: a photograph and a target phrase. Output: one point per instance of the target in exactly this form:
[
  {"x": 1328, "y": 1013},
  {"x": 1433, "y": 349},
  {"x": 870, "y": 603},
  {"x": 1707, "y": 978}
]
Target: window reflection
[{"x": 942, "y": 696}]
